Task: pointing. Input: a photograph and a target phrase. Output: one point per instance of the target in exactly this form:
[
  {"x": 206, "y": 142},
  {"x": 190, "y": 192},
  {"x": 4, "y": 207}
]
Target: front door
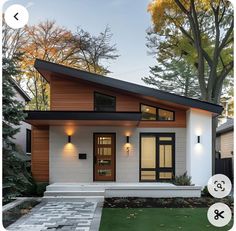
[{"x": 104, "y": 157}]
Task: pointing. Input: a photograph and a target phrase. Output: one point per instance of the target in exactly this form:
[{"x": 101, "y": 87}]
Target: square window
[{"x": 104, "y": 102}]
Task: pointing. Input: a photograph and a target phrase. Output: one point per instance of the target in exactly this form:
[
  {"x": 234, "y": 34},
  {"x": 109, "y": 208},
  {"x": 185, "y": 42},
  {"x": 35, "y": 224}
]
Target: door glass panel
[
  {"x": 148, "y": 152},
  {"x": 104, "y": 140},
  {"x": 165, "y": 153},
  {"x": 104, "y": 162},
  {"x": 165, "y": 138},
  {"x": 165, "y": 175},
  {"x": 104, "y": 172},
  {"x": 104, "y": 151},
  {"x": 148, "y": 175},
  {"x": 107, "y": 151}
]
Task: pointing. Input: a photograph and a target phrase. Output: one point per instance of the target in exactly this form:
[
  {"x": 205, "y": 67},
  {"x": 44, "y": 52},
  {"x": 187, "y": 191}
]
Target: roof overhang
[
  {"x": 82, "y": 118},
  {"x": 225, "y": 130},
  {"x": 48, "y": 69}
]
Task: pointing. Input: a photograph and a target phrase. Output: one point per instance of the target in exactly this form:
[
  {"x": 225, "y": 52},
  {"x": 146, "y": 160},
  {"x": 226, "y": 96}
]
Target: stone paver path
[{"x": 57, "y": 215}]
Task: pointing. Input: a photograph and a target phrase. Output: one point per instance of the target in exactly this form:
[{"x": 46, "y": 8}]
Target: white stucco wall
[
  {"x": 66, "y": 167},
  {"x": 199, "y": 155}
]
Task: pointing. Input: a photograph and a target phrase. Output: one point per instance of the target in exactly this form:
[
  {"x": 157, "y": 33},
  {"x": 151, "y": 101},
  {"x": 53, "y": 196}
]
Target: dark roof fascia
[
  {"x": 20, "y": 90},
  {"x": 82, "y": 115},
  {"x": 126, "y": 86}
]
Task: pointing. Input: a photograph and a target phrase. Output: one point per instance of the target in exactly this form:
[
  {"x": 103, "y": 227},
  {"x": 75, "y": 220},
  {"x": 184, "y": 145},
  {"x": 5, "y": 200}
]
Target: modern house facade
[{"x": 101, "y": 129}]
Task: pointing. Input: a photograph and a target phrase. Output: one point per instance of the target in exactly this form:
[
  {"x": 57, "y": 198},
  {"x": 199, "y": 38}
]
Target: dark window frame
[
  {"x": 157, "y": 113},
  {"x": 28, "y": 141},
  {"x": 157, "y": 169},
  {"x": 94, "y": 101}
]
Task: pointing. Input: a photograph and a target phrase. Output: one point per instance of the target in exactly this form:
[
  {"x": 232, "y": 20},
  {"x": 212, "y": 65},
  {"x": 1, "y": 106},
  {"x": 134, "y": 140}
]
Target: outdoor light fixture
[
  {"x": 69, "y": 139},
  {"x": 127, "y": 144},
  {"x": 198, "y": 139}
]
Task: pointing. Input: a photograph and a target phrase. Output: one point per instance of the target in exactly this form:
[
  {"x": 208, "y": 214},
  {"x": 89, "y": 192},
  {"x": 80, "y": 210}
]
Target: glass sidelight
[{"x": 157, "y": 156}]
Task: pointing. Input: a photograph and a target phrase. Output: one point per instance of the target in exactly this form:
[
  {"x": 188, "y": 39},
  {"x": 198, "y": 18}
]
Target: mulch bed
[{"x": 137, "y": 202}]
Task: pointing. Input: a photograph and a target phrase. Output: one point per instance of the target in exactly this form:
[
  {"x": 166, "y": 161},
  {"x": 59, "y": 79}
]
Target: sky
[{"x": 128, "y": 20}]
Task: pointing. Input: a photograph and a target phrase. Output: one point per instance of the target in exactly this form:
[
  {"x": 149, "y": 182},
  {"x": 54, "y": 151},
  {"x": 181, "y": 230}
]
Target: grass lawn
[{"x": 166, "y": 219}]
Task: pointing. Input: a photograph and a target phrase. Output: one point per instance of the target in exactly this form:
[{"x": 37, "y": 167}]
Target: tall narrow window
[
  {"x": 104, "y": 102},
  {"x": 28, "y": 141}
]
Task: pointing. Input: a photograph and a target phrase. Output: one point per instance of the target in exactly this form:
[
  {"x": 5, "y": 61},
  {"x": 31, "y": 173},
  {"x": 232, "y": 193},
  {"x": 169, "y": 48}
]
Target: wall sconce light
[
  {"x": 198, "y": 139},
  {"x": 69, "y": 139},
  {"x": 127, "y": 144}
]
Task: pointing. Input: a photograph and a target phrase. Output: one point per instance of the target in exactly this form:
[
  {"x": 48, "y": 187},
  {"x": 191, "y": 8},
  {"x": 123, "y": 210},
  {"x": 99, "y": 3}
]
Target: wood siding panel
[
  {"x": 75, "y": 95},
  {"x": 40, "y": 154}
]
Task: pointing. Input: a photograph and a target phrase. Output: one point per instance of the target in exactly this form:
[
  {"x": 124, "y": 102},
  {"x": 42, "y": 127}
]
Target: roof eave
[{"x": 126, "y": 86}]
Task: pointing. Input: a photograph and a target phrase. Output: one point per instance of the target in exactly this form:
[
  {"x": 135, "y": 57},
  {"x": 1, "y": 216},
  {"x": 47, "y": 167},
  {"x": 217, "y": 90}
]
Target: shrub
[
  {"x": 182, "y": 179},
  {"x": 41, "y": 188},
  {"x": 205, "y": 192}
]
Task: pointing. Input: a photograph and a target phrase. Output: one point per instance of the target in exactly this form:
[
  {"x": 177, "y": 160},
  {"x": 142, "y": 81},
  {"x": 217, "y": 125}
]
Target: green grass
[{"x": 161, "y": 219}]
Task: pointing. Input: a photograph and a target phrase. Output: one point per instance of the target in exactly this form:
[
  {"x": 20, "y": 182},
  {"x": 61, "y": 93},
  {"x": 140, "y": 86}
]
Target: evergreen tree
[
  {"x": 174, "y": 76},
  {"x": 16, "y": 179}
]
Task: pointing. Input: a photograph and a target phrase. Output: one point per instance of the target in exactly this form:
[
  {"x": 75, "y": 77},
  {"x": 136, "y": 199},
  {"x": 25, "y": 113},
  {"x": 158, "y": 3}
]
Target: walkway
[{"x": 60, "y": 215}]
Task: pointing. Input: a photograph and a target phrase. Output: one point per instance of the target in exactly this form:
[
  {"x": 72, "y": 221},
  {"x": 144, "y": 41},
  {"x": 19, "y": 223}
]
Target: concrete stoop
[{"x": 101, "y": 190}]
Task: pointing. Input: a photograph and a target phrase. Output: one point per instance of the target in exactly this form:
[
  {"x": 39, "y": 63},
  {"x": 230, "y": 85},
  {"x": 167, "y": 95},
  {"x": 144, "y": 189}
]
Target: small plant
[
  {"x": 205, "y": 192},
  {"x": 41, "y": 188},
  {"x": 182, "y": 179}
]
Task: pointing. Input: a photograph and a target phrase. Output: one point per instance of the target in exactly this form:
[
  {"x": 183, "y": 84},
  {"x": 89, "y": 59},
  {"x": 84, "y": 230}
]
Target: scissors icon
[{"x": 218, "y": 214}]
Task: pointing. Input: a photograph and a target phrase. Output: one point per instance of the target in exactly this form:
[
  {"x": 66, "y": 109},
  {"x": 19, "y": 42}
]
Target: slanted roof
[
  {"x": 47, "y": 69},
  {"x": 225, "y": 127},
  {"x": 20, "y": 90}
]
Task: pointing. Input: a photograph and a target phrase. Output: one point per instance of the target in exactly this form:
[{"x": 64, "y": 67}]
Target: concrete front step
[
  {"x": 74, "y": 198},
  {"x": 74, "y": 188},
  {"x": 75, "y": 193}
]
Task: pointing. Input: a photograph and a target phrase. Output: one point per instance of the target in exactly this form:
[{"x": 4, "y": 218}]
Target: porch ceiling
[{"x": 83, "y": 118}]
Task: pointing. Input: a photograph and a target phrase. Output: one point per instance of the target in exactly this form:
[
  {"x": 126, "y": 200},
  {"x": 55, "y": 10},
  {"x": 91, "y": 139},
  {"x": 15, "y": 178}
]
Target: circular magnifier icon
[{"x": 219, "y": 186}]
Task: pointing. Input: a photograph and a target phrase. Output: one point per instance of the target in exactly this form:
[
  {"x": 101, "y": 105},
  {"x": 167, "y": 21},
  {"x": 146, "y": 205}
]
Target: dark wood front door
[{"x": 104, "y": 157}]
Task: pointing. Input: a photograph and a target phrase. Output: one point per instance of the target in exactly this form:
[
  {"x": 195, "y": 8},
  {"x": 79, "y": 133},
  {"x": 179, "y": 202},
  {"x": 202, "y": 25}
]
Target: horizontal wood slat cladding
[
  {"x": 40, "y": 153},
  {"x": 75, "y": 95}
]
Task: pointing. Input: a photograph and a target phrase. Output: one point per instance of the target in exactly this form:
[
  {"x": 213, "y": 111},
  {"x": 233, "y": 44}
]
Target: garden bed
[
  {"x": 19, "y": 207},
  {"x": 135, "y": 202}
]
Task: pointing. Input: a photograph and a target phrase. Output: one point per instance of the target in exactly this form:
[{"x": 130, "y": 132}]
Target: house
[
  {"x": 23, "y": 138},
  {"x": 224, "y": 149},
  {"x": 103, "y": 129},
  {"x": 225, "y": 139}
]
